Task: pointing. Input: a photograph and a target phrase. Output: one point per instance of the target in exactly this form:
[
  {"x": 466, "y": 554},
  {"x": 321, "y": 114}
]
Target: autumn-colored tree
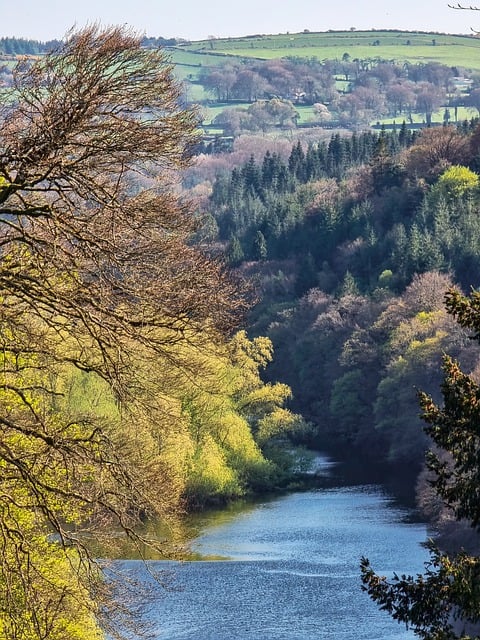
[{"x": 435, "y": 150}]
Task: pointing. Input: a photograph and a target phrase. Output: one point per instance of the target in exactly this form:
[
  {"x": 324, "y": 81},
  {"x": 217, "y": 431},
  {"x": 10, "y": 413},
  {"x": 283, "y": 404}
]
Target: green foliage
[
  {"x": 445, "y": 601},
  {"x": 225, "y": 420},
  {"x": 42, "y": 571},
  {"x": 349, "y": 286},
  {"x": 454, "y": 429},
  {"x": 209, "y": 476},
  {"x": 234, "y": 251},
  {"x": 336, "y": 225},
  {"x": 466, "y": 310},
  {"x": 296, "y": 205},
  {"x": 433, "y": 604},
  {"x": 350, "y": 406},
  {"x": 354, "y": 364},
  {"x": 259, "y": 246},
  {"x": 337, "y": 202},
  {"x": 21, "y": 46},
  {"x": 261, "y": 403},
  {"x": 385, "y": 278},
  {"x": 396, "y": 415},
  {"x": 39, "y": 485}
]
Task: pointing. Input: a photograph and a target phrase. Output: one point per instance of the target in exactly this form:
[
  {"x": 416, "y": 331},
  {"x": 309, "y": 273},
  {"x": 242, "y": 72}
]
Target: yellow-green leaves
[
  {"x": 456, "y": 181},
  {"x": 227, "y": 414},
  {"x": 4, "y": 184}
]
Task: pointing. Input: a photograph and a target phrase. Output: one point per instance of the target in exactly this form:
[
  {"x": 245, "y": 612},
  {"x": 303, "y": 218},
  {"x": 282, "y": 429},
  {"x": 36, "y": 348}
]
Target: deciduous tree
[{"x": 97, "y": 279}]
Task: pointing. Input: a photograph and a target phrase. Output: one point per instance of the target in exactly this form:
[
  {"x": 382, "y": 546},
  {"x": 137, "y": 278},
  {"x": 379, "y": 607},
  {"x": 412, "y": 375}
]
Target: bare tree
[
  {"x": 465, "y": 8},
  {"x": 429, "y": 98},
  {"x": 97, "y": 274},
  {"x": 460, "y": 6},
  {"x": 436, "y": 149}
]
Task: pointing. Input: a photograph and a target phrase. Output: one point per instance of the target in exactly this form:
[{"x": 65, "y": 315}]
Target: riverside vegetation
[
  {"x": 128, "y": 391},
  {"x": 125, "y": 391}
]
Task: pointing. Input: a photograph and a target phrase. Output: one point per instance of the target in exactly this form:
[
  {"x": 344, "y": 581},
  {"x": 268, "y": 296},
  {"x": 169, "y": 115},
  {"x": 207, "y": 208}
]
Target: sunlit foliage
[{"x": 118, "y": 390}]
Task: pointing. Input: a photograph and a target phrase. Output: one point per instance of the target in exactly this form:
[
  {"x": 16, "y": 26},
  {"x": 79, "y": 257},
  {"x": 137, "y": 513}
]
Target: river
[{"x": 287, "y": 568}]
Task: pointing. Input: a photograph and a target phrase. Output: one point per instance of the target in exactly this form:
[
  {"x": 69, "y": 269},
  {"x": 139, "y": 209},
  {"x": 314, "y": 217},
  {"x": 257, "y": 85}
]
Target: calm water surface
[{"x": 289, "y": 569}]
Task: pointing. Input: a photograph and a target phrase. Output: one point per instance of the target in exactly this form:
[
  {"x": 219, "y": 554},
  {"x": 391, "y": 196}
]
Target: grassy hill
[
  {"x": 460, "y": 52},
  {"x": 398, "y": 46}
]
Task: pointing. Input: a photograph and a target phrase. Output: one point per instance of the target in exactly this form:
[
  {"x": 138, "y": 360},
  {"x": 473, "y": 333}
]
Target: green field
[
  {"x": 211, "y": 112},
  {"x": 306, "y": 113},
  {"x": 463, "y": 113},
  {"x": 399, "y": 46},
  {"x": 461, "y": 51}
]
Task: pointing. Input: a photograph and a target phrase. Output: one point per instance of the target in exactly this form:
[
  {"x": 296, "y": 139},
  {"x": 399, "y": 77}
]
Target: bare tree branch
[
  {"x": 97, "y": 274},
  {"x": 459, "y": 6}
]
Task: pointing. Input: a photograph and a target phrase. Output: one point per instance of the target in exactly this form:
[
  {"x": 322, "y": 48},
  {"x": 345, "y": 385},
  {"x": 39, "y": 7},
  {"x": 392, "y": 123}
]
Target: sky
[{"x": 198, "y": 19}]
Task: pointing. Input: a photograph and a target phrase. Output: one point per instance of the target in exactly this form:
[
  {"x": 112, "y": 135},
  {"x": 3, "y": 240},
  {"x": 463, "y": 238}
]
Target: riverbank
[{"x": 288, "y": 567}]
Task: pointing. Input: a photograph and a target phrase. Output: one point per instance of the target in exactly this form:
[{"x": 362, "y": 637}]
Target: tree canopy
[{"x": 105, "y": 304}]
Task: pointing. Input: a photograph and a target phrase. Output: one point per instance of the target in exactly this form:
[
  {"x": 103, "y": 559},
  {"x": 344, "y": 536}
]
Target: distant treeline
[{"x": 22, "y": 46}]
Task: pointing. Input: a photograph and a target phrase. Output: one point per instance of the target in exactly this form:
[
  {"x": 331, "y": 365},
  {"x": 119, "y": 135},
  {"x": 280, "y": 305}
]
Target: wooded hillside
[{"x": 353, "y": 243}]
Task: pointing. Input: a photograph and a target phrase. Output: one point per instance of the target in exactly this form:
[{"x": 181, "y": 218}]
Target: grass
[
  {"x": 193, "y": 59},
  {"x": 452, "y": 50},
  {"x": 210, "y": 112},
  {"x": 306, "y": 113},
  {"x": 461, "y": 51},
  {"x": 463, "y": 113}
]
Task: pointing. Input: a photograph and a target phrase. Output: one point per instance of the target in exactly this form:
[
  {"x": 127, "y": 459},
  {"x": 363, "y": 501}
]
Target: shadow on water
[
  {"x": 285, "y": 567},
  {"x": 397, "y": 481},
  {"x": 176, "y": 539}
]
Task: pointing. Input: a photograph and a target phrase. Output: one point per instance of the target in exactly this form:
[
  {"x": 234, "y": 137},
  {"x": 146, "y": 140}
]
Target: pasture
[
  {"x": 461, "y": 52},
  {"x": 399, "y": 46}
]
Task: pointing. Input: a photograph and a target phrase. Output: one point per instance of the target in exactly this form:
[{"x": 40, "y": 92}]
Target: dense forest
[{"x": 353, "y": 242}]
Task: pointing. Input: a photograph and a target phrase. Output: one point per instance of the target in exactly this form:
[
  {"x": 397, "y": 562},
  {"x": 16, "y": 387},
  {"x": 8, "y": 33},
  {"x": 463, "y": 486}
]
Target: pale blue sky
[{"x": 197, "y": 19}]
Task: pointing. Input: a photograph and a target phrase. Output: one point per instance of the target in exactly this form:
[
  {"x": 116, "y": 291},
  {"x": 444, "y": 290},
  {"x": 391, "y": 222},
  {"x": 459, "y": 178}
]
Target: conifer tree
[
  {"x": 444, "y": 602},
  {"x": 259, "y": 246}
]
